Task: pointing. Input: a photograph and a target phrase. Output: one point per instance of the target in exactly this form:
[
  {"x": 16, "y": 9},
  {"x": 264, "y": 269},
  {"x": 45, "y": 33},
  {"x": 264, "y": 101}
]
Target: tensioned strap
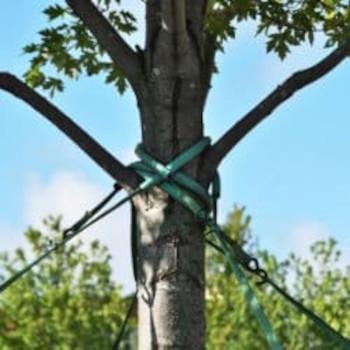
[
  {"x": 249, "y": 294},
  {"x": 122, "y": 329},
  {"x": 182, "y": 191},
  {"x": 195, "y": 198},
  {"x": 180, "y": 186},
  {"x": 325, "y": 328}
]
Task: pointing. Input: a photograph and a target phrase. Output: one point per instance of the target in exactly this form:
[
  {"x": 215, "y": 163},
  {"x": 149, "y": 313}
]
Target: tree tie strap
[
  {"x": 177, "y": 184},
  {"x": 325, "y": 328},
  {"x": 195, "y": 198}
]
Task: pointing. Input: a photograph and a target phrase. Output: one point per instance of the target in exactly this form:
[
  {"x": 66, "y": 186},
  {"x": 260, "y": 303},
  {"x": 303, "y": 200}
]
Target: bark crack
[{"x": 175, "y": 111}]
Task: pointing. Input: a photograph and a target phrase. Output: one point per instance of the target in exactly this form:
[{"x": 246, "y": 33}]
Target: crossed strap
[{"x": 195, "y": 197}]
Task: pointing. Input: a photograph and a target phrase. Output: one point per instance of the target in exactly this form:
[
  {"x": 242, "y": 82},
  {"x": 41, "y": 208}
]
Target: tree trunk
[
  {"x": 170, "y": 246},
  {"x": 171, "y": 277}
]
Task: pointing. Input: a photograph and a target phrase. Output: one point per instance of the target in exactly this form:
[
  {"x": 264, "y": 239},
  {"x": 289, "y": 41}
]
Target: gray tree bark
[{"x": 170, "y": 247}]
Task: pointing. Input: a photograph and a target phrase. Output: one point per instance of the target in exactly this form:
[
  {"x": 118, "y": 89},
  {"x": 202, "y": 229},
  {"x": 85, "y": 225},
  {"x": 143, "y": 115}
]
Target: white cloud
[
  {"x": 304, "y": 234},
  {"x": 10, "y": 239},
  {"x": 66, "y": 193},
  {"x": 70, "y": 194}
]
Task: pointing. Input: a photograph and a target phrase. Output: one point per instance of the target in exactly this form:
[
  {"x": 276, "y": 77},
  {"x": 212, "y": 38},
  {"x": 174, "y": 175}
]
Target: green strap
[
  {"x": 86, "y": 221},
  {"x": 68, "y": 234},
  {"x": 26, "y": 269},
  {"x": 179, "y": 186},
  {"x": 325, "y": 328},
  {"x": 170, "y": 170},
  {"x": 249, "y": 295}
]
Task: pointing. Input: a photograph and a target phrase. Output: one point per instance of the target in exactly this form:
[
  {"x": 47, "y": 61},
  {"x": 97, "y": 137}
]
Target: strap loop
[{"x": 194, "y": 197}]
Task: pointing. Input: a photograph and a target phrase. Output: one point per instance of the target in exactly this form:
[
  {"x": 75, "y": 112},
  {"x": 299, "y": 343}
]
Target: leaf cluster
[
  {"x": 317, "y": 281},
  {"x": 68, "y": 302},
  {"x": 284, "y": 23},
  {"x": 67, "y": 49}
]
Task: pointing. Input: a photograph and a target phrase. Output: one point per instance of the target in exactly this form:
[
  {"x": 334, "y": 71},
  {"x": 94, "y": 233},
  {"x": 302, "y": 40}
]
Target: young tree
[{"x": 171, "y": 78}]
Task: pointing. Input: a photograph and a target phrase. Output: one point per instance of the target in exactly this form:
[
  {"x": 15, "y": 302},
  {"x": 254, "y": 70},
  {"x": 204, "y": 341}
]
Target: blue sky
[{"x": 292, "y": 173}]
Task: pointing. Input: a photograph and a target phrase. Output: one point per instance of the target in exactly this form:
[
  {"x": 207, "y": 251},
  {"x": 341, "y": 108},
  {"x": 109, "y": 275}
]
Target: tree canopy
[{"x": 71, "y": 49}]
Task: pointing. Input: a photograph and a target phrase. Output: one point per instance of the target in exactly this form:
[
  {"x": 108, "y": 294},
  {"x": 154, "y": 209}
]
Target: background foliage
[
  {"x": 316, "y": 281},
  {"x": 71, "y": 302},
  {"x": 68, "y": 302}
]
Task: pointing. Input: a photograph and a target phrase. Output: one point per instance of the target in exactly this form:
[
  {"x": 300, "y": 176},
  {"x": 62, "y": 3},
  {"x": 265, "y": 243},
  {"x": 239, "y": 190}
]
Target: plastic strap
[
  {"x": 325, "y": 328},
  {"x": 249, "y": 294},
  {"x": 174, "y": 183}
]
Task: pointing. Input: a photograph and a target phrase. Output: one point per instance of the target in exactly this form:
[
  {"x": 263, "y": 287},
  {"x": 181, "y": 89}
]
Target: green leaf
[{"x": 55, "y": 11}]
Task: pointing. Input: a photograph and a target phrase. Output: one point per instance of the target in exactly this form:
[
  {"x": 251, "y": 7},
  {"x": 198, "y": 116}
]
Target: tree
[
  {"x": 69, "y": 302},
  {"x": 317, "y": 280},
  {"x": 171, "y": 78}
]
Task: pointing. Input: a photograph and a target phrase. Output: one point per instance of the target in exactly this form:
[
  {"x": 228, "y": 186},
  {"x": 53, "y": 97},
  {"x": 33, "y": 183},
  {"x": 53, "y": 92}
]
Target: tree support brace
[{"x": 195, "y": 198}]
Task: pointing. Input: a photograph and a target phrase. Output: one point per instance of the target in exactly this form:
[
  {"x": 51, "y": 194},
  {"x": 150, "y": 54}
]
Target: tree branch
[
  {"x": 125, "y": 176},
  {"x": 120, "y": 52},
  {"x": 296, "y": 82}
]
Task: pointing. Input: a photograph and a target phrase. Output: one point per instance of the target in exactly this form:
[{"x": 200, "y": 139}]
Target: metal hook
[{"x": 253, "y": 266}]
